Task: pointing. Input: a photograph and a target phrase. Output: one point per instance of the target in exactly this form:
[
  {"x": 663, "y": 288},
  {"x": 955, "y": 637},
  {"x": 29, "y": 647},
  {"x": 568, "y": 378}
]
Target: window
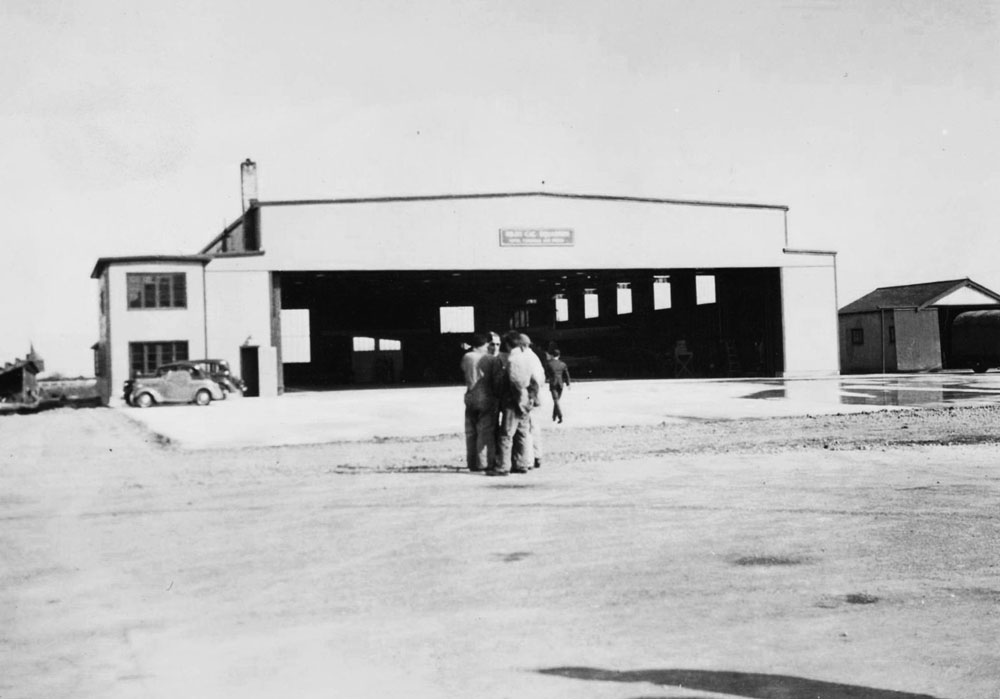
[
  {"x": 857, "y": 336},
  {"x": 364, "y": 344},
  {"x": 704, "y": 285},
  {"x": 145, "y": 357},
  {"x": 562, "y": 308},
  {"x": 157, "y": 290},
  {"x": 624, "y": 299},
  {"x": 591, "y": 304},
  {"x": 661, "y": 293},
  {"x": 458, "y": 319},
  {"x": 295, "y": 340},
  {"x": 892, "y": 334},
  {"x": 390, "y": 345},
  {"x": 520, "y": 319},
  {"x": 100, "y": 361}
]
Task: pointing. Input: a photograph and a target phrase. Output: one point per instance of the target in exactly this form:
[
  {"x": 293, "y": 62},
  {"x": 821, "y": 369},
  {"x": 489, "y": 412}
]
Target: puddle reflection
[{"x": 879, "y": 391}]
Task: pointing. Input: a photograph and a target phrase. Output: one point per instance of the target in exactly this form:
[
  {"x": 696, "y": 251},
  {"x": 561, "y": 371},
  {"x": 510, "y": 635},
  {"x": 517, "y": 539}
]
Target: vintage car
[
  {"x": 216, "y": 369},
  {"x": 173, "y": 385}
]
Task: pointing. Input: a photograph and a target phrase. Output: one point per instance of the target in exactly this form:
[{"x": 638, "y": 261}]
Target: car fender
[
  {"x": 212, "y": 387},
  {"x": 136, "y": 391}
]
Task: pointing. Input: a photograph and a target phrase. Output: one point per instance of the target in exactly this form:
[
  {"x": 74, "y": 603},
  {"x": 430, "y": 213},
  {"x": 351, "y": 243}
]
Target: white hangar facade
[{"x": 340, "y": 292}]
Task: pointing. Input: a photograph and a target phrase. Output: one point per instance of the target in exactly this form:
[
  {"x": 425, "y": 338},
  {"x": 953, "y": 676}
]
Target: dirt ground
[{"x": 842, "y": 557}]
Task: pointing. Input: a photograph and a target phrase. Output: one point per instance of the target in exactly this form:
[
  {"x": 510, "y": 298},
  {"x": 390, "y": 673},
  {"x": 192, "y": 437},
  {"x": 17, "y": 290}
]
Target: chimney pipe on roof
[{"x": 248, "y": 183}]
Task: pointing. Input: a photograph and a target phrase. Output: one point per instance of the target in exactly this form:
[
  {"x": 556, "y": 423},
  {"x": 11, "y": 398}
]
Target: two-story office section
[{"x": 349, "y": 292}]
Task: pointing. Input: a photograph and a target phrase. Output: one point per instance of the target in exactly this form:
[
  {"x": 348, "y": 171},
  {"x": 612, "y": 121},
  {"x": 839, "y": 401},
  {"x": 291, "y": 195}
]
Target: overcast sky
[{"x": 124, "y": 123}]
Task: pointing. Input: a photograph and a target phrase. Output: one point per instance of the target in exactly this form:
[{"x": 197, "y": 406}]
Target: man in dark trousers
[
  {"x": 557, "y": 374},
  {"x": 480, "y": 367}
]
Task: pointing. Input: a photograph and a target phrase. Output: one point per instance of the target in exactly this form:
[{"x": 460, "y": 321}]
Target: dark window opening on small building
[
  {"x": 857, "y": 336},
  {"x": 156, "y": 290},
  {"x": 892, "y": 334}
]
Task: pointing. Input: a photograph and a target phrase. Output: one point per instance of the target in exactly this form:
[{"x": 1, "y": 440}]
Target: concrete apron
[{"x": 332, "y": 416}]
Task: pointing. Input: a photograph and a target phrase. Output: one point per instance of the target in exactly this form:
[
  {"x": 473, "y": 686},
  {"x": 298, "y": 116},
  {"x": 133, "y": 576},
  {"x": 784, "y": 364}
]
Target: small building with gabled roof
[
  {"x": 907, "y": 328},
  {"x": 19, "y": 379}
]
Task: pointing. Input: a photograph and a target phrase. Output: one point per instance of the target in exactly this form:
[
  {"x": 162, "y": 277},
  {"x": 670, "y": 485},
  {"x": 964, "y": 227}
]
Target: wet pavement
[
  {"x": 330, "y": 416},
  {"x": 920, "y": 390}
]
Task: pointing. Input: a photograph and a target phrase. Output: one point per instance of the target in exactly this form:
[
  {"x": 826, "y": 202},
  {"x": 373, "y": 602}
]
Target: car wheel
[
  {"x": 144, "y": 400},
  {"x": 203, "y": 397},
  {"x": 980, "y": 367}
]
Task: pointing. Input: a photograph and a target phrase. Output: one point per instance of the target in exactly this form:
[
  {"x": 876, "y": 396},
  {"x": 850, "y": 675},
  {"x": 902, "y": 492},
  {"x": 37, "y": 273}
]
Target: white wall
[
  {"x": 238, "y": 307},
  {"x": 809, "y": 316},
  {"x": 464, "y": 234},
  {"x": 127, "y": 325}
]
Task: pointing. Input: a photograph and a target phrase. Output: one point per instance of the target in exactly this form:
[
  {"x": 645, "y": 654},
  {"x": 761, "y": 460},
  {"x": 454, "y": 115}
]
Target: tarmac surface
[
  {"x": 328, "y": 416},
  {"x": 136, "y": 566}
]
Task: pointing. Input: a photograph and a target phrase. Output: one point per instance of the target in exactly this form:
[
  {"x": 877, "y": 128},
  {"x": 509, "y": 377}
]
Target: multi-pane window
[
  {"x": 857, "y": 336},
  {"x": 100, "y": 361},
  {"x": 145, "y": 357},
  {"x": 371, "y": 344},
  {"x": 157, "y": 290}
]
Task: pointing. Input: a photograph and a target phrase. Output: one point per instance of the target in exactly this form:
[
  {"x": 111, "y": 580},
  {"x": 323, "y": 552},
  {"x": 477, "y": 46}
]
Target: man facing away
[
  {"x": 557, "y": 374},
  {"x": 479, "y": 368},
  {"x": 517, "y": 450}
]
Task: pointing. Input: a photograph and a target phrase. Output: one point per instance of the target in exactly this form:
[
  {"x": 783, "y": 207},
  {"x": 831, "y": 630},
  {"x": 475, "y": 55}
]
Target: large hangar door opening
[{"x": 404, "y": 328}]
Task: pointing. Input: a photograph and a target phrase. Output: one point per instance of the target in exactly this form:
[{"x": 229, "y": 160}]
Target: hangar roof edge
[{"x": 510, "y": 195}]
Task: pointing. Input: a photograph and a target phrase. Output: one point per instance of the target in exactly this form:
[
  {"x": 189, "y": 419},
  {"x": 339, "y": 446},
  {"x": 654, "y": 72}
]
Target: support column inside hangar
[{"x": 386, "y": 327}]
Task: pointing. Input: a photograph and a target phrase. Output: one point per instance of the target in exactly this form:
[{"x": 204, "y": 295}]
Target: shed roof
[
  {"x": 913, "y": 295},
  {"x": 29, "y": 364},
  {"x": 143, "y": 259}
]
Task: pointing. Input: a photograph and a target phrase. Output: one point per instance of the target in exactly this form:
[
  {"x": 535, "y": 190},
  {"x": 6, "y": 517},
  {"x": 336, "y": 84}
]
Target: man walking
[{"x": 557, "y": 374}]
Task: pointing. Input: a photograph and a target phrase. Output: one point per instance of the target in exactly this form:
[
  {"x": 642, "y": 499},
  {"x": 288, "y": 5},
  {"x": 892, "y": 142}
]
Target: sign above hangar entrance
[{"x": 536, "y": 237}]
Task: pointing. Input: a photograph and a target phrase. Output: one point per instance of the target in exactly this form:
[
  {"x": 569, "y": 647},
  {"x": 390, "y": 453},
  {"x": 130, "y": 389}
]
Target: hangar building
[{"x": 312, "y": 294}]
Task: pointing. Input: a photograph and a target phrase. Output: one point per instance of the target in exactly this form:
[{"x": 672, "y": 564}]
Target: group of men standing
[{"x": 503, "y": 380}]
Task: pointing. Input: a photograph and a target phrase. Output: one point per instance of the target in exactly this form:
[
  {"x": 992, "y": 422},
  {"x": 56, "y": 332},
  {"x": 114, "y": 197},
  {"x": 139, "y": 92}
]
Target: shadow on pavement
[{"x": 740, "y": 684}]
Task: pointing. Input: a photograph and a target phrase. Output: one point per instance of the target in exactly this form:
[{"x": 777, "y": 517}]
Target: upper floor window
[{"x": 157, "y": 290}]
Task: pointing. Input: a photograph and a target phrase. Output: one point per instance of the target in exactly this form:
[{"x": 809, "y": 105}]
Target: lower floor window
[{"x": 145, "y": 357}]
